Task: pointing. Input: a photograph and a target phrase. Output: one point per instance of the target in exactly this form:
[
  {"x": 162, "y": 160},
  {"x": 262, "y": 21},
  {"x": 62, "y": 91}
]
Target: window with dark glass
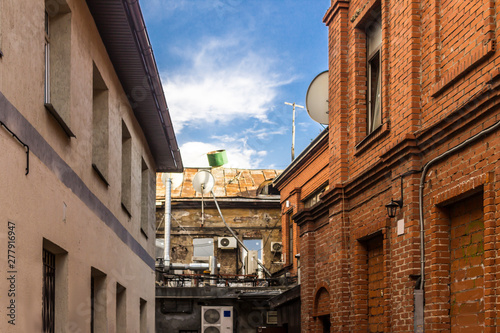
[
  {"x": 145, "y": 180},
  {"x": 290, "y": 238},
  {"x": 373, "y": 43},
  {"x": 98, "y": 301},
  {"x": 48, "y": 294},
  {"x": 126, "y": 169},
  {"x": 100, "y": 125},
  {"x": 315, "y": 197}
]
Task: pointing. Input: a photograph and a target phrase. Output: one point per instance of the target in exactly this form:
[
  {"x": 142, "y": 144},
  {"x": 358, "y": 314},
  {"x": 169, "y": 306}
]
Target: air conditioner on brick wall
[
  {"x": 217, "y": 319},
  {"x": 227, "y": 243},
  {"x": 276, "y": 247}
]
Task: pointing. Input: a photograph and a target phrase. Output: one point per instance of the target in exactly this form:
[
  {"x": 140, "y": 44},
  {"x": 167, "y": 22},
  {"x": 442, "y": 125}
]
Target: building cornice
[{"x": 337, "y": 5}]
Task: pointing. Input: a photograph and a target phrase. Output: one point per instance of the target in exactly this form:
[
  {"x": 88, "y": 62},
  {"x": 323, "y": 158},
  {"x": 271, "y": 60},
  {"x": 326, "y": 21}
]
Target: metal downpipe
[{"x": 421, "y": 204}]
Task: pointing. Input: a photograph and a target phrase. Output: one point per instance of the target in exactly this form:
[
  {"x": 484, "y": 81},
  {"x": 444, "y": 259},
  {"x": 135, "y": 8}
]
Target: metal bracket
[{"x": 22, "y": 144}]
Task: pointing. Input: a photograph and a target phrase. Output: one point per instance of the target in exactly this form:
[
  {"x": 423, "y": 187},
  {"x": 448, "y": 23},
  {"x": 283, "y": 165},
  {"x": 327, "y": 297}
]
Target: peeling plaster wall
[{"x": 247, "y": 223}]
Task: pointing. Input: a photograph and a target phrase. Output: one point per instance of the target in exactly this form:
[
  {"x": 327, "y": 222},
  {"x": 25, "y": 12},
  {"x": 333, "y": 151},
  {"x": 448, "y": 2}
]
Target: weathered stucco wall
[{"x": 62, "y": 200}]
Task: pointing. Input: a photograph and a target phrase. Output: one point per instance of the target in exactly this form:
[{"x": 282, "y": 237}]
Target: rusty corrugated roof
[{"x": 229, "y": 182}]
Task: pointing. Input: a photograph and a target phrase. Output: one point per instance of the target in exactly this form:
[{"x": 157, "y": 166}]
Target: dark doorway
[{"x": 325, "y": 322}]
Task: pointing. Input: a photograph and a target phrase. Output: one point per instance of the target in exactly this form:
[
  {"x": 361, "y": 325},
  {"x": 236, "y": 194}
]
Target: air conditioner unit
[
  {"x": 276, "y": 247},
  {"x": 227, "y": 243},
  {"x": 272, "y": 317},
  {"x": 216, "y": 319},
  {"x": 251, "y": 262}
]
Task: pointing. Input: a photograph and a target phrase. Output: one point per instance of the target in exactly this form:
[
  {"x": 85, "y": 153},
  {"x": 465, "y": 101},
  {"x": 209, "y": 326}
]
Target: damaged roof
[
  {"x": 123, "y": 32},
  {"x": 229, "y": 182}
]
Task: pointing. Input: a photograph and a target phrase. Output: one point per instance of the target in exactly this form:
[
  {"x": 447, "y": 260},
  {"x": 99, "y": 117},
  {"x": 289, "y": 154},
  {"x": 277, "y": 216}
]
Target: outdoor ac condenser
[
  {"x": 276, "y": 247},
  {"x": 227, "y": 243},
  {"x": 251, "y": 264},
  {"x": 217, "y": 319}
]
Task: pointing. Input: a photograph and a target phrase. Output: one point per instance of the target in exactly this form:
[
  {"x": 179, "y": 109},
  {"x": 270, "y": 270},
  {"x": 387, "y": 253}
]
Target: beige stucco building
[{"x": 79, "y": 89}]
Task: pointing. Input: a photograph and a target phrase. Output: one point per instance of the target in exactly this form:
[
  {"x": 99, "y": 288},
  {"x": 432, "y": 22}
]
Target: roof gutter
[{"x": 136, "y": 21}]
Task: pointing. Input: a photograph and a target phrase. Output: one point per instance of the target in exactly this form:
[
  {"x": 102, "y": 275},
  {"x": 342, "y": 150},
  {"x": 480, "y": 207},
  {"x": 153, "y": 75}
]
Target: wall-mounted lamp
[{"x": 392, "y": 207}]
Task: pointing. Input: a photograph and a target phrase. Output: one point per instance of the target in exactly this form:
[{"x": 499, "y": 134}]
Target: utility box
[{"x": 251, "y": 262}]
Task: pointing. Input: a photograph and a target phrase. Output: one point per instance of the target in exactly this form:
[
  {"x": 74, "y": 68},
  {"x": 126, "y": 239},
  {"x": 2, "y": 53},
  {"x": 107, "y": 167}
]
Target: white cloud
[
  {"x": 226, "y": 80},
  {"x": 194, "y": 154}
]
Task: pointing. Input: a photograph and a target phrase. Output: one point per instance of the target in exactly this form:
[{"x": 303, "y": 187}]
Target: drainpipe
[
  {"x": 419, "y": 291},
  {"x": 168, "y": 219}
]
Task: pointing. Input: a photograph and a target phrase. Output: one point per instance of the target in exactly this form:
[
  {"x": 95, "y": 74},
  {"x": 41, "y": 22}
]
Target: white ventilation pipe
[{"x": 168, "y": 219}]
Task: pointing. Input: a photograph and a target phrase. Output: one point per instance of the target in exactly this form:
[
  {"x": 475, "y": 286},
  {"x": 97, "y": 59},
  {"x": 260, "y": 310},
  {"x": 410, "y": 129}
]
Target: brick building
[
  {"x": 301, "y": 186},
  {"x": 251, "y": 208},
  {"x": 413, "y": 101},
  {"x": 246, "y": 205},
  {"x": 77, "y": 199}
]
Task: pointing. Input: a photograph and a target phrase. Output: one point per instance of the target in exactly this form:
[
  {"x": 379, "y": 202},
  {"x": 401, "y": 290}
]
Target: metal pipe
[
  {"x": 196, "y": 266},
  {"x": 168, "y": 219},
  {"x": 426, "y": 167},
  {"x": 234, "y": 235},
  {"x": 422, "y": 185},
  {"x": 213, "y": 270}
]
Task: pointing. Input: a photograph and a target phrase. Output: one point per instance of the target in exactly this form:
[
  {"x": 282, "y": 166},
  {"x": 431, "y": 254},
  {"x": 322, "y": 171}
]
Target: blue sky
[{"x": 227, "y": 68}]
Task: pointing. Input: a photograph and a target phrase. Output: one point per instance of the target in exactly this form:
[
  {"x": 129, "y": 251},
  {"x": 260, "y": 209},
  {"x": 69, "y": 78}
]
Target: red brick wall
[
  {"x": 375, "y": 263},
  {"x": 441, "y": 86},
  {"x": 467, "y": 271},
  {"x": 297, "y": 185}
]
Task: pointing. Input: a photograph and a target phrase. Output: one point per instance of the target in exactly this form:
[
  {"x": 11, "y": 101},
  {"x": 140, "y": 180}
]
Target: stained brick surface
[
  {"x": 440, "y": 81},
  {"x": 467, "y": 271}
]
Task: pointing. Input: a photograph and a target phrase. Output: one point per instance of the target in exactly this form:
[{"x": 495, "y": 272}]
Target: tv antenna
[{"x": 293, "y": 126}]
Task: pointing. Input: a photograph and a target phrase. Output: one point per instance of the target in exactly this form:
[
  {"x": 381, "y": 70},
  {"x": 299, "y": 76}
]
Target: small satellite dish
[
  {"x": 317, "y": 98},
  {"x": 203, "y": 182}
]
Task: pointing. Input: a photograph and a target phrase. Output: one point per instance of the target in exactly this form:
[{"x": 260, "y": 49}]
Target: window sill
[
  {"x": 126, "y": 210},
  {"x": 100, "y": 174},
  {"x": 59, "y": 120},
  {"x": 144, "y": 233},
  {"x": 371, "y": 138}
]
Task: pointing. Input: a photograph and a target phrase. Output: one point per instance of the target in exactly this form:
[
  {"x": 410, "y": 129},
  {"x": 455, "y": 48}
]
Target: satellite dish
[
  {"x": 203, "y": 182},
  {"x": 317, "y": 98}
]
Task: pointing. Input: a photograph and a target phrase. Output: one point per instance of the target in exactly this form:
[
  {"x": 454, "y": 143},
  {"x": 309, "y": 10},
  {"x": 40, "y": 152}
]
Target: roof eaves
[{"x": 122, "y": 28}]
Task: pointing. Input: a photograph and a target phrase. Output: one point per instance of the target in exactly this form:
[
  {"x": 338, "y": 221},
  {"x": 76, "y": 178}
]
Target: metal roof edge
[
  {"x": 136, "y": 19},
  {"x": 300, "y": 158}
]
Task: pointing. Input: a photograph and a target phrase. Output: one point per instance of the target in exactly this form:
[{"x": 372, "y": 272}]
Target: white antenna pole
[{"x": 293, "y": 126}]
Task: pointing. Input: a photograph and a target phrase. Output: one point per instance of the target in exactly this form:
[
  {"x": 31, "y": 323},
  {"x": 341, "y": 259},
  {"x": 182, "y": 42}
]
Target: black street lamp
[{"x": 393, "y": 206}]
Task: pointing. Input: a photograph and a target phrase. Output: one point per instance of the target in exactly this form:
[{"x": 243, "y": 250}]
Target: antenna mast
[{"x": 293, "y": 126}]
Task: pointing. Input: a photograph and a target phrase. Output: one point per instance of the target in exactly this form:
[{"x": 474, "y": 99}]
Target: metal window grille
[
  {"x": 49, "y": 279},
  {"x": 92, "y": 304}
]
